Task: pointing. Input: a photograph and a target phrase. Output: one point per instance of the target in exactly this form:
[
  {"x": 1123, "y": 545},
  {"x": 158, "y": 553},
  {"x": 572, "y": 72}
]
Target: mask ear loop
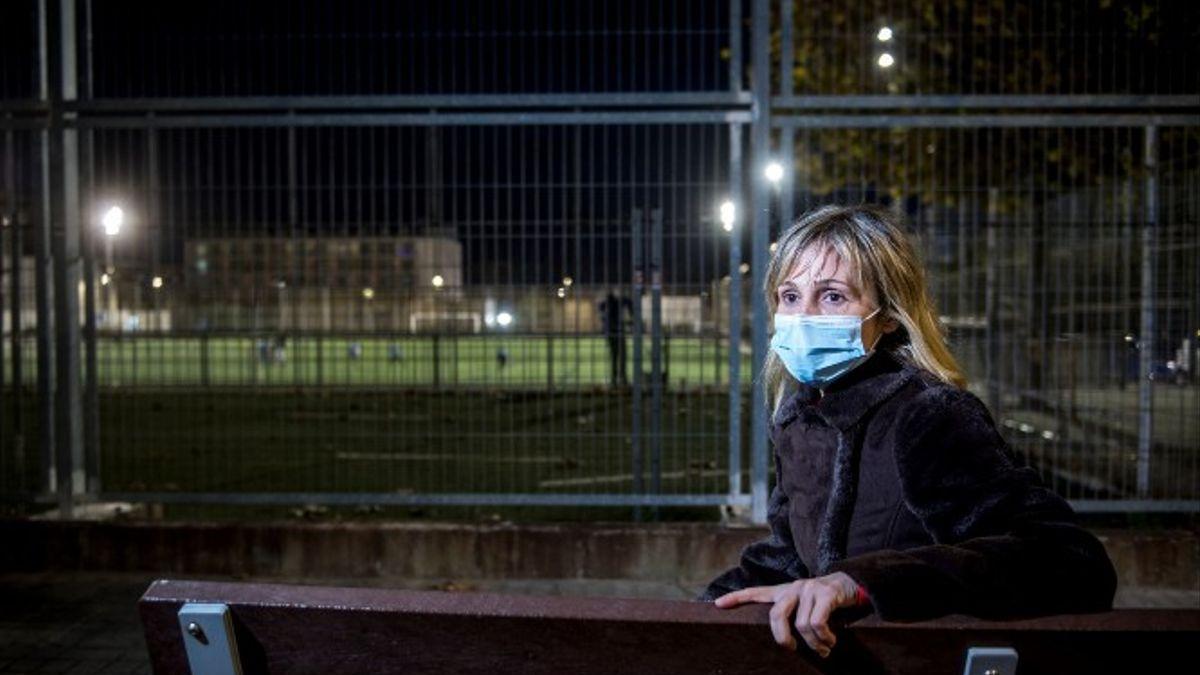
[{"x": 877, "y": 337}]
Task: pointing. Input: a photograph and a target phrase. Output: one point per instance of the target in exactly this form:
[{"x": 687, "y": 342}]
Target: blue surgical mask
[{"x": 817, "y": 349}]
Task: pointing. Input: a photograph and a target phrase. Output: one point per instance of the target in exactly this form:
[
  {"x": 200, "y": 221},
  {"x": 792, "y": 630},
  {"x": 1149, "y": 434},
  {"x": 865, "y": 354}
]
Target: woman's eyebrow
[{"x": 832, "y": 281}]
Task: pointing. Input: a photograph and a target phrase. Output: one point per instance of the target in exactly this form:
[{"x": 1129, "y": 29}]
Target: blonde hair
[{"x": 879, "y": 252}]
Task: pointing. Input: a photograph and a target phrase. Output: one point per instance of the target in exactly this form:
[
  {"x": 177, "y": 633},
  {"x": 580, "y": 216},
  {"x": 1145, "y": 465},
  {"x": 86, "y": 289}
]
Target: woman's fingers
[
  {"x": 781, "y": 615},
  {"x": 812, "y": 622},
  {"x": 804, "y": 604},
  {"x": 752, "y": 594},
  {"x": 819, "y": 620},
  {"x": 803, "y": 611}
]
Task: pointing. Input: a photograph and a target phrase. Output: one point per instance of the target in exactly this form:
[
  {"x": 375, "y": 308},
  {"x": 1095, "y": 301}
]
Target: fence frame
[{"x": 64, "y": 118}]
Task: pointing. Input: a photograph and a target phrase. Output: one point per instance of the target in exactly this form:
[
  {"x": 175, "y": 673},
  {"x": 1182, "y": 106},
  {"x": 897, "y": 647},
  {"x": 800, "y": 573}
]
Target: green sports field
[{"x": 402, "y": 361}]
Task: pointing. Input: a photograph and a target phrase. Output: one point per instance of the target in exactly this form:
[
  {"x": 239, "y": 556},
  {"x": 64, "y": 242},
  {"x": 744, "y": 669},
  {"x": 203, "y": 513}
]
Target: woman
[{"x": 893, "y": 488}]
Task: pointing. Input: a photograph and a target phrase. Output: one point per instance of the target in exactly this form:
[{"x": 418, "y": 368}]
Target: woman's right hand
[{"x": 812, "y": 601}]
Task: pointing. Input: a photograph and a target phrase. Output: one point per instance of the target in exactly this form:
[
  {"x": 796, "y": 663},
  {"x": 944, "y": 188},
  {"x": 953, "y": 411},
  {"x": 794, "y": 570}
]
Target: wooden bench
[{"x": 311, "y": 629}]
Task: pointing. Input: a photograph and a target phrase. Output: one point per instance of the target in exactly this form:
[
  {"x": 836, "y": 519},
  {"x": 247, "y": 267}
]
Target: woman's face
[{"x": 821, "y": 282}]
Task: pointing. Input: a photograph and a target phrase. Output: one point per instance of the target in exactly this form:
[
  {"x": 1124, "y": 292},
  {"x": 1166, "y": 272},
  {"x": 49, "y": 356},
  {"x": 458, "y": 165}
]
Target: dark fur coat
[{"x": 903, "y": 483}]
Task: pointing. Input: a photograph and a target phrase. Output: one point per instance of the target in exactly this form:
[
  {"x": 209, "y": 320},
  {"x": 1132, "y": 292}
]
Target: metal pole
[
  {"x": 760, "y": 147},
  {"x": 91, "y": 408},
  {"x": 10, "y": 178},
  {"x": 735, "y": 45},
  {"x": 549, "y": 362},
  {"x": 63, "y": 212},
  {"x": 1148, "y": 328},
  {"x": 991, "y": 303},
  {"x": 656, "y": 352},
  {"x": 42, "y": 281},
  {"x": 735, "y": 314},
  {"x": 636, "y": 301}
]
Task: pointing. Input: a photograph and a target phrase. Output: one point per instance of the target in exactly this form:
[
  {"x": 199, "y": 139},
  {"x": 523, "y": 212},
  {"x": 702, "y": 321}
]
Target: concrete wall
[{"x": 688, "y": 554}]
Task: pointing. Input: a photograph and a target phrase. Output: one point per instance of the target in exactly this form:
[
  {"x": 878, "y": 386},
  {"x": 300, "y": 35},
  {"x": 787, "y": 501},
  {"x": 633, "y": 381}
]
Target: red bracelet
[{"x": 860, "y": 596}]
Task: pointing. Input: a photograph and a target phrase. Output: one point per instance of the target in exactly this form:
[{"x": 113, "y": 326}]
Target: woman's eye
[
  {"x": 788, "y": 298},
  {"x": 833, "y": 296}
]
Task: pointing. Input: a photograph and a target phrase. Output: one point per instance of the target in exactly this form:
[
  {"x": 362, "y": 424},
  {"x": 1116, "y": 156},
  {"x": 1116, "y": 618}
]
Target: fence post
[
  {"x": 991, "y": 302},
  {"x": 204, "y": 370},
  {"x": 656, "y": 355},
  {"x": 14, "y": 227},
  {"x": 91, "y": 406},
  {"x": 735, "y": 313},
  {"x": 760, "y": 149},
  {"x": 437, "y": 362},
  {"x": 1148, "y": 328},
  {"x": 549, "y": 362},
  {"x": 62, "y": 217},
  {"x": 636, "y": 302}
]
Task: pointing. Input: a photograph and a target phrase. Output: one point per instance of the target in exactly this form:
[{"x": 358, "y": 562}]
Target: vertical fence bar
[
  {"x": 6, "y": 223},
  {"x": 656, "y": 351},
  {"x": 735, "y": 45},
  {"x": 16, "y": 426},
  {"x": 636, "y": 242},
  {"x": 42, "y": 280},
  {"x": 64, "y": 221},
  {"x": 1148, "y": 319},
  {"x": 91, "y": 406},
  {"x": 760, "y": 147},
  {"x": 735, "y": 312},
  {"x": 991, "y": 302}
]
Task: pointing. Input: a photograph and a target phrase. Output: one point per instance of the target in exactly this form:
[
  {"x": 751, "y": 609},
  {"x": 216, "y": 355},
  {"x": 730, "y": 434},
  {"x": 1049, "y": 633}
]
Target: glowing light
[
  {"x": 886, "y": 60},
  {"x": 438, "y": 281},
  {"x": 504, "y": 318},
  {"x": 104, "y": 279},
  {"x": 728, "y": 214},
  {"x": 113, "y": 218},
  {"x": 567, "y": 281},
  {"x": 368, "y": 293},
  {"x": 884, "y": 34},
  {"x": 156, "y": 282},
  {"x": 561, "y": 292},
  {"x": 774, "y": 172}
]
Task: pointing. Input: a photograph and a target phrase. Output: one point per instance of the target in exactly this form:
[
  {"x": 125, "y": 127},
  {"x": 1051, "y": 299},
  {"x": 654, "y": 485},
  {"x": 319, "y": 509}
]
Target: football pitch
[{"x": 543, "y": 361}]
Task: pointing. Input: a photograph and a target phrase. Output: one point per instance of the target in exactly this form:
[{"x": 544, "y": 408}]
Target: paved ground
[{"x": 87, "y": 622}]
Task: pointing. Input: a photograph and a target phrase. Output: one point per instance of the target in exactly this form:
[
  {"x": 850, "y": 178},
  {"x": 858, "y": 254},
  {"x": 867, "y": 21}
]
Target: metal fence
[{"x": 469, "y": 253}]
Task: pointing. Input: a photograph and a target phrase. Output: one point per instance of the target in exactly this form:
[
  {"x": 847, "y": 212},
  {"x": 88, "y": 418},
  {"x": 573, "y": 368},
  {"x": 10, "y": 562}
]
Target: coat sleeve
[
  {"x": 766, "y": 562},
  {"x": 1005, "y": 545}
]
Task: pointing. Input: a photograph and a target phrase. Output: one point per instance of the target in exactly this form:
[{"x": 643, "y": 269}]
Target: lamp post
[{"x": 112, "y": 220}]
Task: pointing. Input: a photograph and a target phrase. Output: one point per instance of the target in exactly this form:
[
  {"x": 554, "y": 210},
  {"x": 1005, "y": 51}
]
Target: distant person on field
[{"x": 613, "y": 310}]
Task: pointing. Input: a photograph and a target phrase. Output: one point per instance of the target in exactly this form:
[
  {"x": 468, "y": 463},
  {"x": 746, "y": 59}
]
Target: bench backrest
[{"x": 310, "y": 629}]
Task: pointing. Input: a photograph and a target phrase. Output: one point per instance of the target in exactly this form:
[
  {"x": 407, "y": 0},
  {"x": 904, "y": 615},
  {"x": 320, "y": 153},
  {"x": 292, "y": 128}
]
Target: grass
[{"x": 405, "y": 361}]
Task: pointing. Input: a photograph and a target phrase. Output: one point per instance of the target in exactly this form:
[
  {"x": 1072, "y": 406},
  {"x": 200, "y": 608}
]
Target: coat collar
[{"x": 850, "y": 396}]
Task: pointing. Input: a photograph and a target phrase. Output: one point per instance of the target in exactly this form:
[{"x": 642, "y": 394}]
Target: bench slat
[{"x": 310, "y": 629}]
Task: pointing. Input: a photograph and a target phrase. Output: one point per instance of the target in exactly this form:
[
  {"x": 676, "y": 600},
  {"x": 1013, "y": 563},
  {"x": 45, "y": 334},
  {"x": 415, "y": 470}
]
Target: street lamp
[
  {"x": 886, "y": 60},
  {"x": 774, "y": 173},
  {"x": 111, "y": 220},
  {"x": 438, "y": 281},
  {"x": 728, "y": 214},
  {"x": 884, "y": 34}
]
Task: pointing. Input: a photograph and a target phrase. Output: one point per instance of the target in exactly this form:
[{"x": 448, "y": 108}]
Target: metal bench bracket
[{"x": 209, "y": 640}]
